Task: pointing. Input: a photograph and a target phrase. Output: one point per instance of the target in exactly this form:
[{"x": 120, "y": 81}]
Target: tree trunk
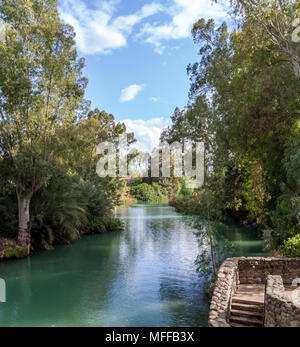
[
  {"x": 212, "y": 254},
  {"x": 211, "y": 240},
  {"x": 24, "y": 220}
]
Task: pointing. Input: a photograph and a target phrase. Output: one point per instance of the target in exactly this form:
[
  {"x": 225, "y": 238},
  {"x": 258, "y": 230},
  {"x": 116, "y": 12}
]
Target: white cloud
[
  {"x": 126, "y": 23},
  {"x": 154, "y": 99},
  {"x": 96, "y": 30},
  {"x": 108, "y": 6},
  {"x": 129, "y": 93},
  {"x": 184, "y": 14},
  {"x": 147, "y": 132}
]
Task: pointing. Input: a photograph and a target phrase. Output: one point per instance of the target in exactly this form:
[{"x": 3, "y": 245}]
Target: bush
[
  {"x": 291, "y": 247},
  {"x": 160, "y": 192},
  {"x": 113, "y": 224},
  {"x": 100, "y": 225},
  {"x": 143, "y": 192},
  {"x": 58, "y": 213},
  {"x": 66, "y": 208},
  {"x": 15, "y": 253},
  {"x": 286, "y": 217},
  {"x": 96, "y": 226},
  {"x": 148, "y": 193}
]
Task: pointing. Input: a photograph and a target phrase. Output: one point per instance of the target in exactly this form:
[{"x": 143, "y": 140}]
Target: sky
[{"x": 136, "y": 55}]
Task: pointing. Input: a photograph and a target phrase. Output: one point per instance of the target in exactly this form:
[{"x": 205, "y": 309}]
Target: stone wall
[
  {"x": 256, "y": 270},
  {"x": 224, "y": 289},
  {"x": 279, "y": 310}
]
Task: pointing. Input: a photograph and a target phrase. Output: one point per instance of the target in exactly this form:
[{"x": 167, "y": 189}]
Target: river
[{"x": 142, "y": 276}]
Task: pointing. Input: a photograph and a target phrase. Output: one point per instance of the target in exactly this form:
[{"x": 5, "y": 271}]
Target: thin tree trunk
[
  {"x": 212, "y": 253},
  {"x": 211, "y": 240},
  {"x": 24, "y": 220}
]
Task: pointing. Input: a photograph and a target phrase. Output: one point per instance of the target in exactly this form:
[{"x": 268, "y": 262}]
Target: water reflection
[{"x": 143, "y": 276}]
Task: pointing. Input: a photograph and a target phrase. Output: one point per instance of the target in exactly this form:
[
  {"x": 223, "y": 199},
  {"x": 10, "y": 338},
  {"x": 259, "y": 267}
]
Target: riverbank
[
  {"x": 150, "y": 267},
  {"x": 10, "y": 250},
  {"x": 188, "y": 205}
]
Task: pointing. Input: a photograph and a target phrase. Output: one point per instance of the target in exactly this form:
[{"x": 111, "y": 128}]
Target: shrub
[
  {"x": 64, "y": 209},
  {"x": 148, "y": 193},
  {"x": 96, "y": 226},
  {"x": 113, "y": 224},
  {"x": 15, "y": 252},
  {"x": 160, "y": 192},
  {"x": 100, "y": 225},
  {"x": 143, "y": 192},
  {"x": 291, "y": 247}
]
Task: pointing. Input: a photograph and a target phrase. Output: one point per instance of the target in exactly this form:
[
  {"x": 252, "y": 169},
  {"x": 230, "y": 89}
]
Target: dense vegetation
[
  {"x": 245, "y": 106},
  {"x": 49, "y": 190},
  {"x": 145, "y": 192}
]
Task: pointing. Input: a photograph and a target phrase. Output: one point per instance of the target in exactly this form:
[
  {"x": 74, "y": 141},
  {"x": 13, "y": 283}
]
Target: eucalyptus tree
[
  {"x": 244, "y": 102},
  {"x": 274, "y": 20},
  {"x": 41, "y": 92}
]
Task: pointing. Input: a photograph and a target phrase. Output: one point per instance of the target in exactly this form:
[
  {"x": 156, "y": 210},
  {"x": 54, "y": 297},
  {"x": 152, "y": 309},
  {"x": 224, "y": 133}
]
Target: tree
[
  {"x": 244, "y": 103},
  {"x": 276, "y": 21},
  {"x": 41, "y": 92}
]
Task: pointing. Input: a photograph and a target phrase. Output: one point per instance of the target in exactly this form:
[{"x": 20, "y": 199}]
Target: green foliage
[
  {"x": 58, "y": 213},
  {"x": 148, "y": 193},
  {"x": 99, "y": 225},
  {"x": 41, "y": 93},
  {"x": 244, "y": 104},
  {"x": 272, "y": 20},
  {"x": 113, "y": 224},
  {"x": 15, "y": 253},
  {"x": 96, "y": 226},
  {"x": 48, "y": 134},
  {"x": 68, "y": 208},
  {"x": 214, "y": 246},
  {"x": 211, "y": 244},
  {"x": 286, "y": 217},
  {"x": 254, "y": 192},
  {"x": 291, "y": 247},
  {"x": 186, "y": 204},
  {"x": 200, "y": 202}
]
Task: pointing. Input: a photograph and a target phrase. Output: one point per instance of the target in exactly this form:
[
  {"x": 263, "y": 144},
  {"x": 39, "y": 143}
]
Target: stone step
[
  {"x": 251, "y": 322},
  {"x": 236, "y": 325},
  {"x": 247, "y": 314},
  {"x": 240, "y": 300},
  {"x": 245, "y": 307}
]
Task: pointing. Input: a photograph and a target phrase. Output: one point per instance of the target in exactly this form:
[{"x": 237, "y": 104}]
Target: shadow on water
[{"x": 246, "y": 241}]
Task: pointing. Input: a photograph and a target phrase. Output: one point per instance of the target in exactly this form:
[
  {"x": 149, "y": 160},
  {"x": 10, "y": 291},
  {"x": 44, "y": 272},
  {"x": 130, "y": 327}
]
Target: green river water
[{"x": 142, "y": 276}]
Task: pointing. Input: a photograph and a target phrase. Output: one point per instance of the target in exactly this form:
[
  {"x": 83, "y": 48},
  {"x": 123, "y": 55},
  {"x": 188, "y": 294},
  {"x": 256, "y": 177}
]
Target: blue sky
[{"x": 136, "y": 55}]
